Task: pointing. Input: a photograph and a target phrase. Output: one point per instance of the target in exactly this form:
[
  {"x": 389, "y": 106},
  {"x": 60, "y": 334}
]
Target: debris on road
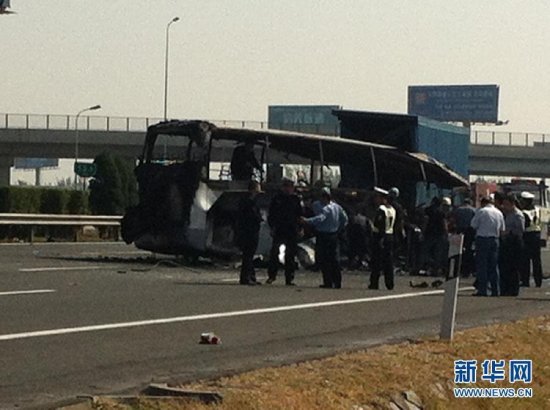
[
  {"x": 437, "y": 283},
  {"x": 209, "y": 338},
  {"x": 415, "y": 284}
]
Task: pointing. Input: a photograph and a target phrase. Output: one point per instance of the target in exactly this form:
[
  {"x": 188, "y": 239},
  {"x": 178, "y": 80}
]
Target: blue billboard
[
  {"x": 33, "y": 163},
  {"x": 455, "y": 103},
  {"x": 311, "y": 119}
]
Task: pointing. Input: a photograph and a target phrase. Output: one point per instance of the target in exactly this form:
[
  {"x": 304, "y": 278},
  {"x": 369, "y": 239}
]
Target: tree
[
  {"x": 77, "y": 202},
  {"x": 129, "y": 183},
  {"x": 107, "y": 194}
]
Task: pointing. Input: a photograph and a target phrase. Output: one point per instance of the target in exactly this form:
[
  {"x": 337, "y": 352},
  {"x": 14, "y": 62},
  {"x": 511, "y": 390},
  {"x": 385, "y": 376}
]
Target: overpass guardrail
[
  {"x": 99, "y": 123},
  {"x": 523, "y": 139},
  {"x": 140, "y": 124}
]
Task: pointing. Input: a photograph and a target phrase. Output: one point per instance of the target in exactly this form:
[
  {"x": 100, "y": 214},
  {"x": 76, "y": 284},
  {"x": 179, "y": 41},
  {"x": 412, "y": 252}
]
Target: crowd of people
[
  {"x": 507, "y": 244},
  {"x": 501, "y": 239}
]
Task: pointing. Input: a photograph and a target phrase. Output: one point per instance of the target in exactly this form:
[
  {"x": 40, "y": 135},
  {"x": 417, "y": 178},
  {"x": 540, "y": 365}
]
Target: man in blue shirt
[{"x": 328, "y": 223}]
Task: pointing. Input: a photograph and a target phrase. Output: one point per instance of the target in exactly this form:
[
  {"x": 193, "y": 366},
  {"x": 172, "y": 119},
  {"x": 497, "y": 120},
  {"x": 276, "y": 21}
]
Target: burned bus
[{"x": 187, "y": 209}]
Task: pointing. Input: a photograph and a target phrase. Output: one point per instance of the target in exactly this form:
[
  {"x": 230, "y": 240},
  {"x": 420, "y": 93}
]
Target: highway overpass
[{"x": 53, "y": 136}]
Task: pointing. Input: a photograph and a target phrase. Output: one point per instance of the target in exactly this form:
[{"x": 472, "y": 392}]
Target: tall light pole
[
  {"x": 174, "y": 20},
  {"x": 92, "y": 108}
]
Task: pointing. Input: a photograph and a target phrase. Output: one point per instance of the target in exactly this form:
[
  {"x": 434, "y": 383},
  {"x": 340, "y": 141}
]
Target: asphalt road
[{"x": 72, "y": 322}]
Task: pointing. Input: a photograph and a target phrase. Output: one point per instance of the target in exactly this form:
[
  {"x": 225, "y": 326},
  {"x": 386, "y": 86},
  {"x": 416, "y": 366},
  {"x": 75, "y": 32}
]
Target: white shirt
[
  {"x": 488, "y": 222},
  {"x": 389, "y": 219}
]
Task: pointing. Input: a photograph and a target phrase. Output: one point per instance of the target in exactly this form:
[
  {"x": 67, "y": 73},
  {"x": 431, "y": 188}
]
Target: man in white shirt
[{"x": 488, "y": 223}]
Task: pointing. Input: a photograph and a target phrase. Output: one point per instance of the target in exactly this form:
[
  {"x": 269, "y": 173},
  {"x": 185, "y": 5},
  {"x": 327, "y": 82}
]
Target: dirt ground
[{"x": 369, "y": 379}]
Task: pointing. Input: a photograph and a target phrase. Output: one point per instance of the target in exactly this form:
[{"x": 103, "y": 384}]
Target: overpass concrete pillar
[{"x": 5, "y": 170}]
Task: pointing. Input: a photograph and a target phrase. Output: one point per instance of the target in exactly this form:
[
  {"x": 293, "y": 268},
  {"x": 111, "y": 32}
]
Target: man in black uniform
[
  {"x": 461, "y": 220},
  {"x": 435, "y": 238},
  {"x": 531, "y": 240},
  {"x": 511, "y": 247},
  {"x": 244, "y": 162},
  {"x": 285, "y": 212},
  {"x": 248, "y": 230},
  {"x": 382, "y": 247}
]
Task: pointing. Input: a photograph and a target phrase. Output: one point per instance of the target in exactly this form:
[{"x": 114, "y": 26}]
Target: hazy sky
[{"x": 232, "y": 58}]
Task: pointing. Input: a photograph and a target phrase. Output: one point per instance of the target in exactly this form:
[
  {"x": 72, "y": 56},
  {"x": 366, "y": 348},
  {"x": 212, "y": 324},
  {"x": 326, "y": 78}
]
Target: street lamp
[
  {"x": 174, "y": 20},
  {"x": 92, "y": 108}
]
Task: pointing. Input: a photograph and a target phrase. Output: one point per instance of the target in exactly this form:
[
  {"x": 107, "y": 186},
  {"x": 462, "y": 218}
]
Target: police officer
[
  {"x": 248, "y": 230},
  {"x": 284, "y": 216},
  {"x": 328, "y": 223},
  {"x": 382, "y": 247},
  {"x": 511, "y": 245},
  {"x": 531, "y": 240}
]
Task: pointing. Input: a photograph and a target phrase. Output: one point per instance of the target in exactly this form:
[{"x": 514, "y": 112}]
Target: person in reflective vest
[
  {"x": 531, "y": 241},
  {"x": 382, "y": 247}
]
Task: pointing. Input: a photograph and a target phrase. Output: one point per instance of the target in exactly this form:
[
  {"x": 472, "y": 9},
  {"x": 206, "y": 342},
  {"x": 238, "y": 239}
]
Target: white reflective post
[{"x": 450, "y": 298}]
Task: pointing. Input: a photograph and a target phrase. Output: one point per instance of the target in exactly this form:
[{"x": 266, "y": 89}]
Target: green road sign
[{"x": 85, "y": 170}]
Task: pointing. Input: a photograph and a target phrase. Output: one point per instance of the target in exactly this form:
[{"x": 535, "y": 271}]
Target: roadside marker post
[
  {"x": 449, "y": 309},
  {"x": 450, "y": 298}
]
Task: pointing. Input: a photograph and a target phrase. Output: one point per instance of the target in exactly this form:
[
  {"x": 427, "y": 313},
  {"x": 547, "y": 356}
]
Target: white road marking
[
  {"x": 151, "y": 322},
  {"x": 60, "y": 268},
  {"x": 26, "y": 292},
  {"x": 230, "y": 280}
]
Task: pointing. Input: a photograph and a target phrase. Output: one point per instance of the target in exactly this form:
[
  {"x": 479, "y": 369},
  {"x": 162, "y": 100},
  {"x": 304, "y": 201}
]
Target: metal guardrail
[
  {"x": 59, "y": 220},
  {"x": 514, "y": 139},
  {"x": 140, "y": 124},
  {"x": 99, "y": 123},
  {"x": 50, "y": 220}
]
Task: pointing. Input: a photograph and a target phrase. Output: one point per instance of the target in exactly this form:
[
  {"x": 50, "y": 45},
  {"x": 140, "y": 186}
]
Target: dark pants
[
  {"x": 486, "y": 264},
  {"x": 357, "y": 245},
  {"x": 531, "y": 255},
  {"x": 435, "y": 252},
  {"x": 468, "y": 261},
  {"x": 510, "y": 264},
  {"x": 414, "y": 248},
  {"x": 291, "y": 243},
  {"x": 382, "y": 261},
  {"x": 248, "y": 247},
  {"x": 328, "y": 259},
  {"x": 400, "y": 250}
]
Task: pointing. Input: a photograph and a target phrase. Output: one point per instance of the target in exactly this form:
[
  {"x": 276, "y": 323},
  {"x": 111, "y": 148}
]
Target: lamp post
[
  {"x": 92, "y": 108},
  {"x": 174, "y": 20}
]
